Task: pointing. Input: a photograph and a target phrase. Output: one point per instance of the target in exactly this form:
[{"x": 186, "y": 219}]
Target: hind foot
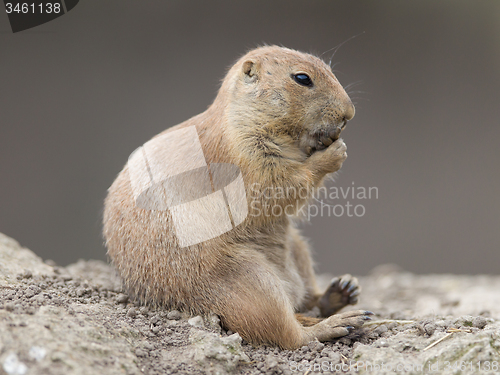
[
  {"x": 341, "y": 292},
  {"x": 338, "y": 325}
]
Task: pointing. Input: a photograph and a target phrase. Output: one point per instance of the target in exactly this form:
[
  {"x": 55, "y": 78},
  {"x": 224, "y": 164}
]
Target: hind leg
[
  {"x": 254, "y": 304},
  {"x": 341, "y": 292},
  {"x": 303, "y": 263}
]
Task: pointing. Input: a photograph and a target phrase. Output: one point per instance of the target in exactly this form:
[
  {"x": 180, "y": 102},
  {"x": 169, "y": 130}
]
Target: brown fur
[{"x": 256, "y": 276}]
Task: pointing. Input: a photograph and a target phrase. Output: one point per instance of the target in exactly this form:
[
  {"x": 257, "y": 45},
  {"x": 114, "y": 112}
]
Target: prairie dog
[{"x": 277, "y": 117}]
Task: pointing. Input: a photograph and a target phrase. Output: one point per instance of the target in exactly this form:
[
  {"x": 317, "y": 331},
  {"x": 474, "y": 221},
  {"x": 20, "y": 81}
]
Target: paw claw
[
  {"x": 351, "y": 288},
  {"x": 355, "y": 293},
  {"x": 334, "y": 281}
]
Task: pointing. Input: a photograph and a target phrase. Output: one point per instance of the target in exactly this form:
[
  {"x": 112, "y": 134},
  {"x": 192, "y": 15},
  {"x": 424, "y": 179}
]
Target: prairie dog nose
[{"x": 349, "y": 111}]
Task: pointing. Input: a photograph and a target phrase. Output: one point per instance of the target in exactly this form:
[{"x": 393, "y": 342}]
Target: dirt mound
[{"x": 77, "y": 320}]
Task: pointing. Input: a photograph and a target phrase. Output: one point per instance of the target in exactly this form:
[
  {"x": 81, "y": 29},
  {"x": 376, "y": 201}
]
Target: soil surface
[{"x": 78, "y": 320}]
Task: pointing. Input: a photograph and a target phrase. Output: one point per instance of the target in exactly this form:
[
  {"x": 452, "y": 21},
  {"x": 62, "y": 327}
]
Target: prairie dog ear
[{"x": 251, "y": 70}]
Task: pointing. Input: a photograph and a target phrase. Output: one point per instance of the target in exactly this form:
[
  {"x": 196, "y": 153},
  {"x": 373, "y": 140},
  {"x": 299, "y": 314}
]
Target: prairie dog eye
[{"x": 302, "y": 79}]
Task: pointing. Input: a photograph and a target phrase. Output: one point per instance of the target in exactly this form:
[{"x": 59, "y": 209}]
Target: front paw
[
  {"x": 330, "y": 159},
  {"x": 319, "y": 140}
]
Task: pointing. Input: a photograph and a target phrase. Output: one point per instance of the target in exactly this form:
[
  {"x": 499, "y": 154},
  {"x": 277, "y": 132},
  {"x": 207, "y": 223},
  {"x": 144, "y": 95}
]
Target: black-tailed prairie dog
[{"x": 201, "y": 218}]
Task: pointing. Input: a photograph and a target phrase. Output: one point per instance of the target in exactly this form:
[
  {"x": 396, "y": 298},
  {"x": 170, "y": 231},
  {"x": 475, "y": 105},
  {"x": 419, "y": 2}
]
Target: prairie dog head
[{"x": 293, "y": 98}]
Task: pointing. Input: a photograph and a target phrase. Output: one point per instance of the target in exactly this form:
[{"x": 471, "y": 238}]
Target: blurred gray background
[{"x": 80, "y": 93}]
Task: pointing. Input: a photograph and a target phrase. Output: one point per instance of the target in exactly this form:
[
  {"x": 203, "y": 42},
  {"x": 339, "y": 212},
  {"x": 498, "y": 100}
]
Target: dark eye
[{"x": 303, "y": 79}]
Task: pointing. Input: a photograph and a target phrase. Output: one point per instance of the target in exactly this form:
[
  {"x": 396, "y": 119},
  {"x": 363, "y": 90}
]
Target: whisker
[
  {"x": 352, "y": 84},
  {"x": 357, "y": 92},
  {"x": 336, "y": 48}
]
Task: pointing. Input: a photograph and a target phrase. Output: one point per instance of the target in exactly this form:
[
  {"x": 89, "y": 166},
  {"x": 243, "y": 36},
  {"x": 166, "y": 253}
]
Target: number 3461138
[{"x": 33, "y": 8}]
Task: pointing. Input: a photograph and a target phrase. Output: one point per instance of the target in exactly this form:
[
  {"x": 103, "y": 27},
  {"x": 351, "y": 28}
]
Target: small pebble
[
  {"x": 174, "y": 315},
  {"x": 50, "y": 262},
  {"x": 121, "y": 298},
  {"x": 430, "y": 328},
  {"x": 334, "y": 357},
  {"x": 196, "y": 321},
  {"x": 309, "y": 356},
  {"x": 444, "y": 323},
  {"x": 271, "y": 362},
  {"x": 13, "y": 366},
  {"x": 132, "y": 312},
  {"x": 381, "y": 329},
  {"x": 383, "y": 344},
  {"x": 392, "y": 325},
  {"x": 345, "y": 341},
  {"x": 316, "y": 346},
  {"x": 27, "y": 274},
  {"x": 37, "y": 353},
  {"x": 479, "y": 322},
  {"x": 326, "y": 352}
]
